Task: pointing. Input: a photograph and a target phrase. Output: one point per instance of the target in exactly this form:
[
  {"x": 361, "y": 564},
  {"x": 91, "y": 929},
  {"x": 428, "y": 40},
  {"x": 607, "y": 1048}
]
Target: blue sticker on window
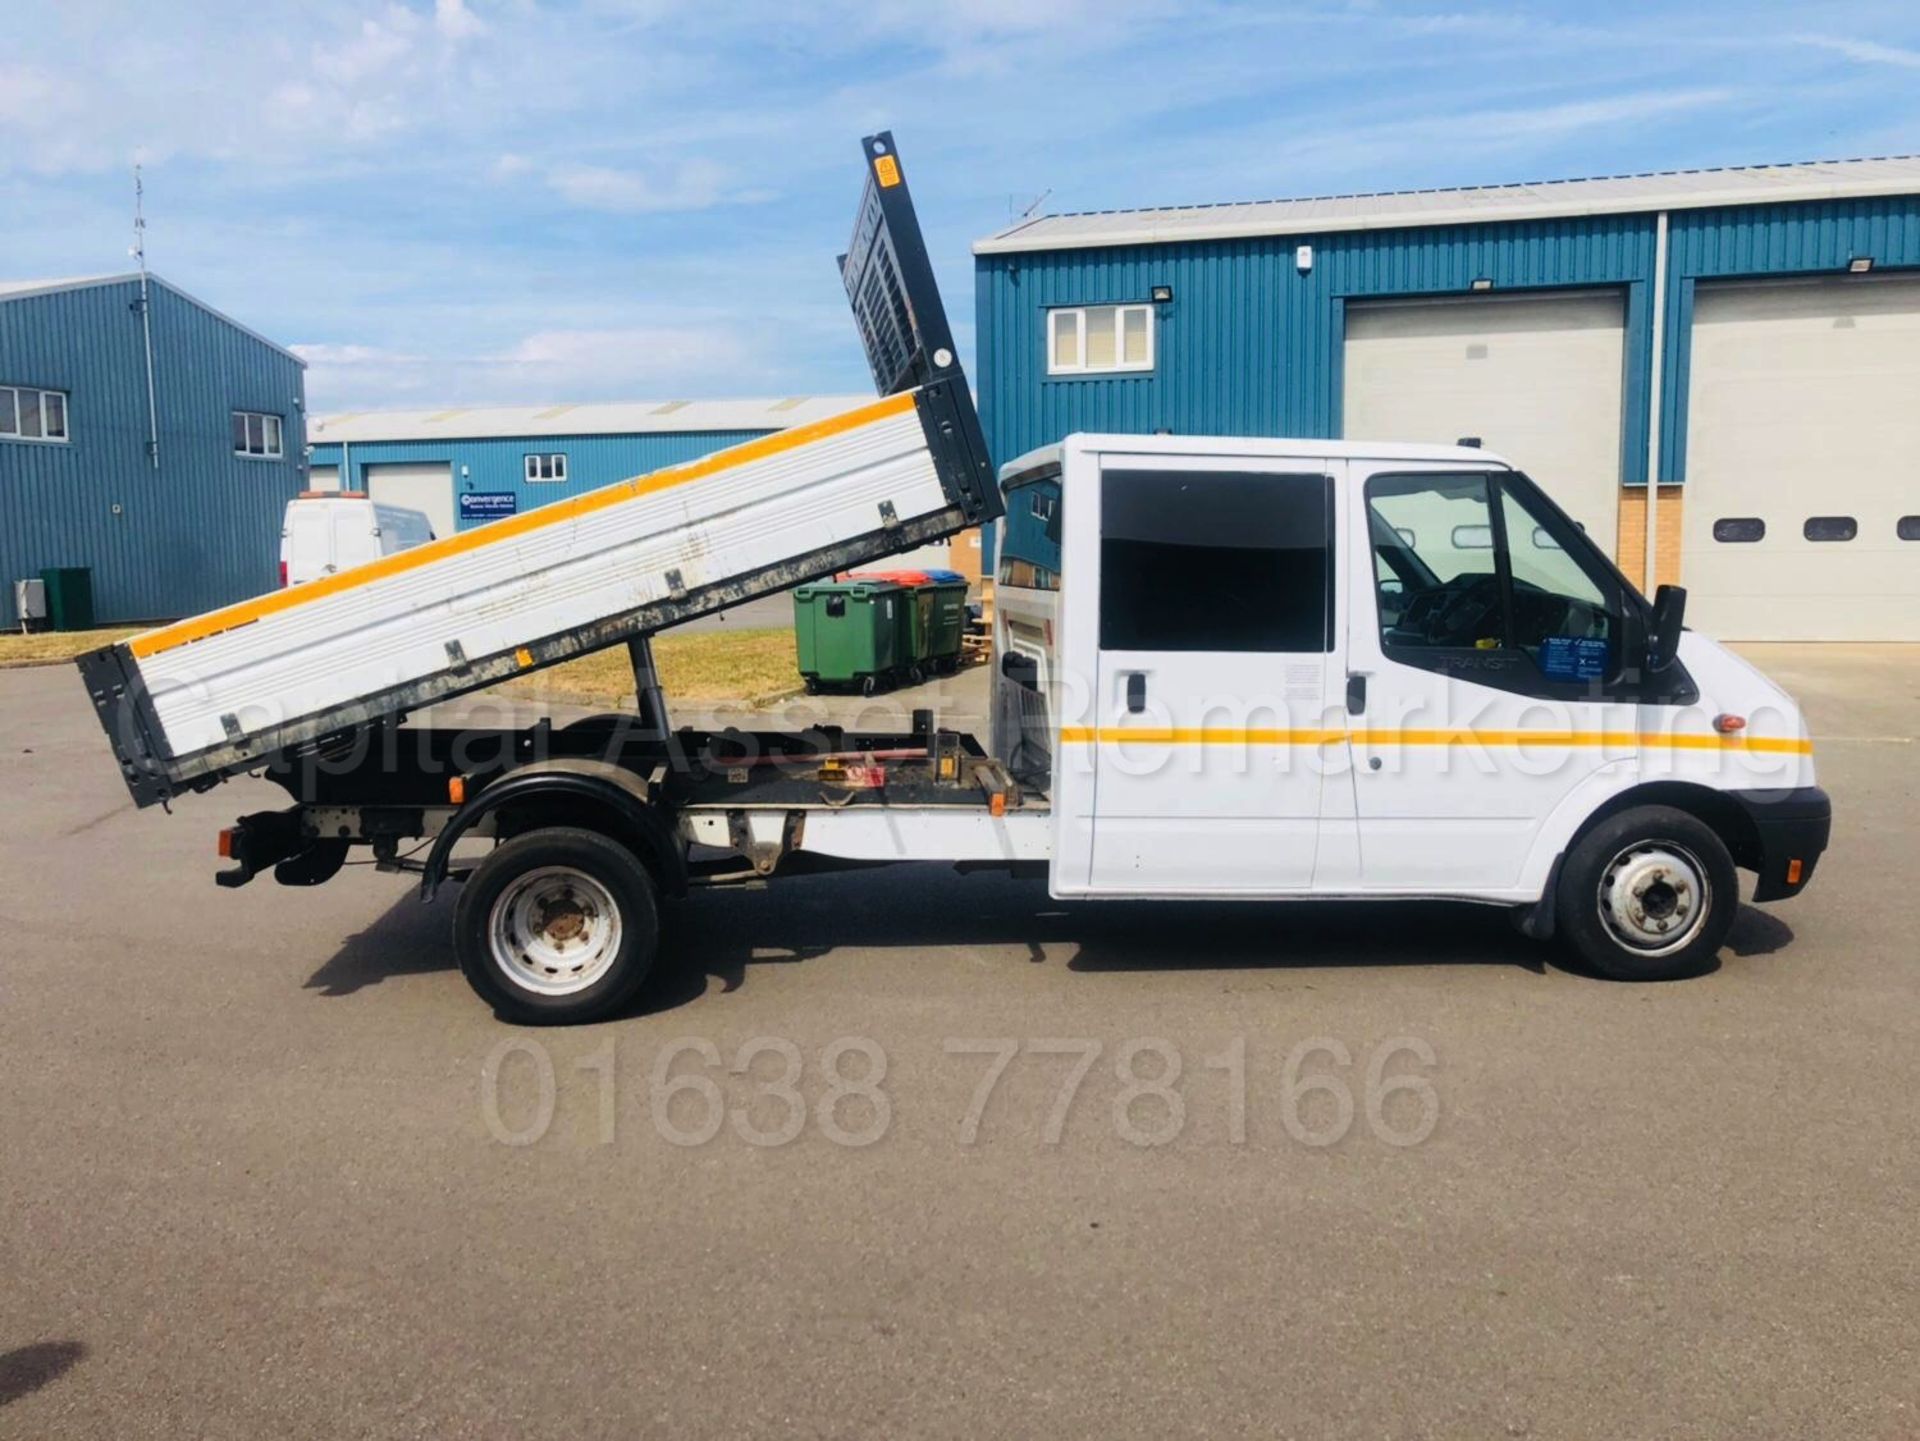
[{"x": 1564, "y": 657}]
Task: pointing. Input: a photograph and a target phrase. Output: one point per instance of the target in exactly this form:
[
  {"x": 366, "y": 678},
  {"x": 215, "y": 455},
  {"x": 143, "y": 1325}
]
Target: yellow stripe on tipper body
[
  {"x": 1460, "y": 736},
  {"x": 559, "y": 513}
]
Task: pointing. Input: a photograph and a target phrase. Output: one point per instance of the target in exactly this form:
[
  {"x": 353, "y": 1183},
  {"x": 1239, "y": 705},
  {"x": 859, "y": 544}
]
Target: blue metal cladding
[
  {"x": 1251, "y": 346},
  {"x": 500, "y": 465},
  {"x": 201, "y": 530}
]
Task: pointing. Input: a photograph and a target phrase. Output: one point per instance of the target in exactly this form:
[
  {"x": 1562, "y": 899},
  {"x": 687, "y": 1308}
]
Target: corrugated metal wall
[
  {"x": 1250, "y": 346},
  {"x": 500, "y": 465},
  {"x": 200, "y": 531}
]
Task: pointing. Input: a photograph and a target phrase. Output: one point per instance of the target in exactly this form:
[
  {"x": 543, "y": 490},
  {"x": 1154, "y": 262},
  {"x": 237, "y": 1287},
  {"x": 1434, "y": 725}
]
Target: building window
[
  {"x": 1099, "y": 339},
  {"x": 1739, "y": 529},
  {"x": 256, "y": 434},
  {"x": 1830, "y": 527},
  {"x": 29, "y": 413},
  {"x": 546, "y": 467}
]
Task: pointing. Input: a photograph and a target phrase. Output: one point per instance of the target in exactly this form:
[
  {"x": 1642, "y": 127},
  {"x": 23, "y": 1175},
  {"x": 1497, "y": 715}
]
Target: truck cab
[{"x": 1313, "y": 668}]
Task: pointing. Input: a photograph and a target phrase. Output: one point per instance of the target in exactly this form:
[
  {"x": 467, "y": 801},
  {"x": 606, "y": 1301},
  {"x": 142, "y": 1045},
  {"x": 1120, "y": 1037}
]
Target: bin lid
[
  {"x": 893, "y": 577},
  {"x": 854, "y": 585},
  {"x": 946, "y": 577}
]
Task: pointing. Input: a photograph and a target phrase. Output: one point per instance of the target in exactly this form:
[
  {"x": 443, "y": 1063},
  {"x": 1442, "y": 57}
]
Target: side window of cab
[{"x": 1480, "y": 571}]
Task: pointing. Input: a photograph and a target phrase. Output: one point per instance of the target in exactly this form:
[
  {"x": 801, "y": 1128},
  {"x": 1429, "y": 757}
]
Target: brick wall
[{"x": 1632, "y": 555}]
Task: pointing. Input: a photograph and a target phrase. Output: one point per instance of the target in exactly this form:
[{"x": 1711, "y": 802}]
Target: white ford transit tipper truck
[{"x": 1248, "y": 668}]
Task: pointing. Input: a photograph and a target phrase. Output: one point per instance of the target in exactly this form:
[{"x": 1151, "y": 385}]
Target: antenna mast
[{"x": 145, "y": 307}]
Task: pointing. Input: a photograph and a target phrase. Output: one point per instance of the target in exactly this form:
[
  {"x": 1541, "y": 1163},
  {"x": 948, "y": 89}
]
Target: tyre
[
  {"x": 869, "y": 684},
  {"x": 556, "y": 927},
  {"x": 1647, "y": 895},
  {"x": 813, "y": 685}
]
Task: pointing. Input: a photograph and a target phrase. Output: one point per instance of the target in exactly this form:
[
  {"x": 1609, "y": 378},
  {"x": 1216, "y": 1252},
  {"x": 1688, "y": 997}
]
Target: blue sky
[{"x": 517, "y": 201}]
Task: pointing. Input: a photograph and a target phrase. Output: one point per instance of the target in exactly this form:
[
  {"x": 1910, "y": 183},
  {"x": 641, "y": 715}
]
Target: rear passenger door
[{"x": 1216, "y": 647}]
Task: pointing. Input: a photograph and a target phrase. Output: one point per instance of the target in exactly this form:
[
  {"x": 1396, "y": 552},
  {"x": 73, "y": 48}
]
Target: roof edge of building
[
  {"x": 68, "y": 284},
  {"x": 1540, "y": 203}
]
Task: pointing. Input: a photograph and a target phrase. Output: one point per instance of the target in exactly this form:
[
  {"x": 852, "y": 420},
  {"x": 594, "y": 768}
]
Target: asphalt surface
[{"x": 251, "y": 1184}]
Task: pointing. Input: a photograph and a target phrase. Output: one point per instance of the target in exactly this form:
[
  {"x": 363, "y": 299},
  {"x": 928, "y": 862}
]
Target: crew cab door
[
  {"x": 1215, "y": 649},
  {"x": 1487, "y": 644}
]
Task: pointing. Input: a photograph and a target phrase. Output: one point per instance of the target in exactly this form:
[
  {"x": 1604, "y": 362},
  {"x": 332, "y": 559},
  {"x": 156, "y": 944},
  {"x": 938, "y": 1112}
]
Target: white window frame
[
  {"x": 1076, "y": 315},
  {"x": 279, "y": 451},
  {"x": 11, "y": 401},
  {"x": 554, "y": 462}
]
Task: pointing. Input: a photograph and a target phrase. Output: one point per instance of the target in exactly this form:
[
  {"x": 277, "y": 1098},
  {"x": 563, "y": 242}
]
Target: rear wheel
[
  {"x": 1648, "y": 895},
  {"x": 557, "y": 926}
]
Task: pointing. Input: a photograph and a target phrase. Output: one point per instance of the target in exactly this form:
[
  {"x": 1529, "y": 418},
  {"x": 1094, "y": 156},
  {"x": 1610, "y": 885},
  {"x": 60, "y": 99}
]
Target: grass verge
[
  {"x": 51, "y": 647},
  {"x": 705, "y": 665}
]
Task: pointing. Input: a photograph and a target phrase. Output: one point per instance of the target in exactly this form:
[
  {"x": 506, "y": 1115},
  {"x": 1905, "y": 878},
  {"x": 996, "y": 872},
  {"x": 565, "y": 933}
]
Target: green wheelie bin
[
  {"x": 852, "y": 633},
  {"x": 949, "y": 625},
  {"x": 936, "y": 612}
]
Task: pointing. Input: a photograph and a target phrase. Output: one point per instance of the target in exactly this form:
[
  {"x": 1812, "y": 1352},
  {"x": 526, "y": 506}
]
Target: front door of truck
[
  {"x": 1486, "y": 644},
  {"x": 1216, "y": 644}
]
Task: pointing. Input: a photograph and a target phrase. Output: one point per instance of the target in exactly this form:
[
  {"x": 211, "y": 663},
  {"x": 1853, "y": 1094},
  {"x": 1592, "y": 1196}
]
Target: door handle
[
  {"x": 1136, "y": 692},
  {"x": 1356, "y": 695}
]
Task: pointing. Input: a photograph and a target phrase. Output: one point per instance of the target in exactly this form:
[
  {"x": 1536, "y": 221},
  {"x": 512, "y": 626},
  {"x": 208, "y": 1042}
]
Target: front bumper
[{"x": 1791, "y": 827}]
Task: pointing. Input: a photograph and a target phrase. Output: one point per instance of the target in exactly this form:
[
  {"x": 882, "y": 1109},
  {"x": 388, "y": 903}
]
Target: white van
[{"x": 333, "y": 530}]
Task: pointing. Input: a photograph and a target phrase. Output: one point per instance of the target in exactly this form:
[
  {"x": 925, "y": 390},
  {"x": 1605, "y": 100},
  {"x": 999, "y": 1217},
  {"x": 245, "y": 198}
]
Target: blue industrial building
[
  {"x": 464, "y": 466},
  {"x": 1774, "y": 312},
  {"x": 152, "y": 441}
]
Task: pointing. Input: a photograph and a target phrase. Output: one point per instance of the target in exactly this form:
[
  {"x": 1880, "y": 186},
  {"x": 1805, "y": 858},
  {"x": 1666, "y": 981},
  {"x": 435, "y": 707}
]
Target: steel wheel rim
[
  {"x": 554, "y": 931},
  {"x": 1654, "y": 897}
]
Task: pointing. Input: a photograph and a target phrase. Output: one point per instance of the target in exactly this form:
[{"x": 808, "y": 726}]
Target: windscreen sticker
[{"x": 1563, "y": 657}]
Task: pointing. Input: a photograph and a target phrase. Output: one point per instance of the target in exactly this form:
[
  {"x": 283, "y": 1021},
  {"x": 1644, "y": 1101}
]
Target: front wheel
[
  {"x": 556, "y": 927},
  {"x": 1648, "y": 895}
]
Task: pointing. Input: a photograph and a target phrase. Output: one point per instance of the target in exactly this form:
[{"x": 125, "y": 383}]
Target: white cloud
[
  {"x": 693, "y": 184},
  {"x": 323, "y": 354},
  {"x": 570, "y": 362},
  {"x": 670, "y": 360},
  {"x": 453, "y": 20},
  {"x": 1867, "y": 52},
  {"x": 377, "y": 46}
]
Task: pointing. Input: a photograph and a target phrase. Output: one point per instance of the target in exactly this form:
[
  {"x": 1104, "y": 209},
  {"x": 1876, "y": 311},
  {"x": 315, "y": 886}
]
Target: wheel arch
[
  {"x": 1722, "y": 815},
  {"x": 589, "y": 795},
  {"x": 1725, "y": 817}
]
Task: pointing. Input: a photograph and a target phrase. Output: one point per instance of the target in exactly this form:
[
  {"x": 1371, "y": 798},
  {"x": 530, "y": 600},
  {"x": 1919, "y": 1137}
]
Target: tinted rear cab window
[{"x": 1215, "y": 561}]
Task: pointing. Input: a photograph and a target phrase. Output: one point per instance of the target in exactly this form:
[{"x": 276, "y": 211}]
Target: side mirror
[{"x": 1669, "y": 617}]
